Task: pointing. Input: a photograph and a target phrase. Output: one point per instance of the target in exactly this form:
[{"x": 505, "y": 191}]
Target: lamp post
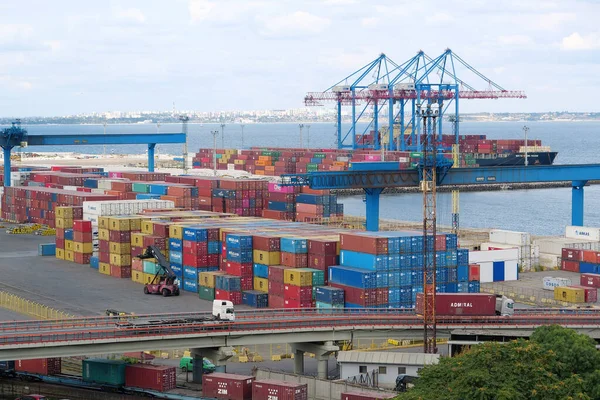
[{"x": 215, "y": 133}]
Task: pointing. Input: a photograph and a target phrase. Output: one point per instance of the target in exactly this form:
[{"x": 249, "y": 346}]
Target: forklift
[{"x": 165, "y": 280}]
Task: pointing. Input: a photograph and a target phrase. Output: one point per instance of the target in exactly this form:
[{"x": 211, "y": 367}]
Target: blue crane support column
[
  {"x": 577, "y": 203},
  {"x": 392, "y": 144},
  {"x": 353, "y": 120},
  {"x": 7, "y": 150},
  {"x": 372, "y": 214},
  {"x": 151, "y": 147},
  {"x": 376, "y": 141},
  {"x": 339, "y": 124},
  {"x": 402, "y": 136}
]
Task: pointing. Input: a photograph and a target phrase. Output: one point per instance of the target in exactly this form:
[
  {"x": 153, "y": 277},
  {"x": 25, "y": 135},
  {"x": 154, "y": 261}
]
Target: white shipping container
[
  {"x": 510, "y": 237},
  {"x": 555, "y": 245},
  {"x": 583, "y": 232},
  {"x": 486, "y": 272},
  {"x": 123, "y": 207},
  {"x": 510, "y": 273},
  {"x": 549, "y": 260},
  {"x": 550, "y": 282},
  {"x": 476, "y": 257}
]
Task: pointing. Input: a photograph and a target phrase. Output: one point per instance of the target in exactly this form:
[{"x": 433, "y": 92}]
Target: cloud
[
  {"x": 340, "y": 2},
  {"x": 577, "y": 42},
  {"x": 10, "y": 81},
  {"x": 200, "y": 9},
  {"x": 439, "y": 18},
  {"x": 53, "y": 45},
  {"x": 369, "y": 22},
  {"x": 552, "y": 21},
  {"x": 130, "y": 14},
  {"x": 515, "y": 40},
  {"x": 295, "y": 24},
  {"x": 15, "y": 33}
]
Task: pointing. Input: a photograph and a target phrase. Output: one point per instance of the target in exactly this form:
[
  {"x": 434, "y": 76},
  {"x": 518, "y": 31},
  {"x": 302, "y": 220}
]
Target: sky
[{"x": 67, "y": 57}]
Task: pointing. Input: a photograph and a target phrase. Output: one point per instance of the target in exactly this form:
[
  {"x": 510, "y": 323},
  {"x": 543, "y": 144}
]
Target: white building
[{"x": 385, "y": 365}]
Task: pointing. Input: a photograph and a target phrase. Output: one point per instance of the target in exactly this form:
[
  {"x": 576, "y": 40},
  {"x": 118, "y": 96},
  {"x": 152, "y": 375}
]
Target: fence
[
  {"x": 530, "y": 296},
  {"x": 318, "y": 389},
  {"x": 30, "y": 308}
]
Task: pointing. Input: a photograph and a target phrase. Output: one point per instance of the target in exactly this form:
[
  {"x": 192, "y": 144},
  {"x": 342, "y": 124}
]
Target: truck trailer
[{"x": 471, "y": 304}]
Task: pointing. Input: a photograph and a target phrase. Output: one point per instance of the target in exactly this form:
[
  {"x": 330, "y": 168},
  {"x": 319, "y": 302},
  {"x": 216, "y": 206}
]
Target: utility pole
[
  {"x": 215, "y": 133},
  {"x": 104, "y": 124},
  {"x": 223, "y": 136},
  {"x": 307, "y": 137},
  {"x": 526, "y": 129},
  {"x": 242, "y": 135},
  {"x": 301, "y": 126}
]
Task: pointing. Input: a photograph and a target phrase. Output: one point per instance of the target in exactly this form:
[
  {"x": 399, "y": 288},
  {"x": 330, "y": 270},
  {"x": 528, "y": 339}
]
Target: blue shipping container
[
  {"x": 256, "y": 299},
  {"x": 175, "y": 244},
  {"x": 293, "y": 245},
  {"x": 214, "y": 247},
  {"x": 177, "y": 270},
  {"x": 190, "y": 286},
  {"x": 363, "y": 260},
  {"x": 281, "y": 206},
  {"x": 382, "y": 279},
  {"x": 329, "y": 295},
  {"x": 195, "y": 234},
  {"x": 228, "y": 283},
  {"x": 309, "y": 199},
  {"x": 158, "y": 189},
  {"x": 47, "y": 249},
  {"x": 355, "y": 277},
  {"x": 190, "y": 273},
  {"x": 239, "y": 256},
  {"x": 260, "y": 270},
  {"x": 588, "y": 268},
  {"x": 68, "y": 234},
  {"x": 176, "y": 256},
  {"x": 94, "y": 262},
  {"x": 462, "y": 256},
  {"x": 498, "y": 272},
  {"x": 235, "y": 241},
  {"x": 462, "y": 273},
  {"x": 474, "y": 287}
]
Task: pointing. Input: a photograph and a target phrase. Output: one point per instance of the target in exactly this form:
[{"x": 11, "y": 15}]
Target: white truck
[{"x": 223, "y": 310}]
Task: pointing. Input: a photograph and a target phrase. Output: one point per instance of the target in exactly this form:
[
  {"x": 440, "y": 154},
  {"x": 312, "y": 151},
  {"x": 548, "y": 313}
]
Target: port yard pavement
[{"x": 74, "y": 288}]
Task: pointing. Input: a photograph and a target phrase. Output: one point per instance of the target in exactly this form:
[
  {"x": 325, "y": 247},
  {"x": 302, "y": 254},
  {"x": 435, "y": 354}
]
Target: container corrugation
[
  {"x": 44, "y": 366},
  {"x": 255, "y": 298},
  {"x": 160, "y": 378},
  {"x": 591, "y": 294},
  {"x": 111, "y": 372},
  {"x": 365, "y": 261},
  {"x": 227, "y": 386},
  {"x": 589, "y": 280},
  {"x": 298, "y": 277},
  {"x": 569, "y": 294},
  {"x": 549, "y": 282},
  {"x": 461, "y": 304},
  {"x": 352, "y": 277}
]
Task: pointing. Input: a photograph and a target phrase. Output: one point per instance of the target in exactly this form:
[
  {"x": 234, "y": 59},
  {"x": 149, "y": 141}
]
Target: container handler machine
[{"x": 165, "y": 280}]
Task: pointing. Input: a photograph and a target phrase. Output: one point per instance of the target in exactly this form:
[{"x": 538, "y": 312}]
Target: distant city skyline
[{"x": 68, "y": 57}]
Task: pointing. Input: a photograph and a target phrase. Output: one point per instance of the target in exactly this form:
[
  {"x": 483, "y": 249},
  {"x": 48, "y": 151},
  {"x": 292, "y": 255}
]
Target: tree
[{"x": 556, "y": 363}]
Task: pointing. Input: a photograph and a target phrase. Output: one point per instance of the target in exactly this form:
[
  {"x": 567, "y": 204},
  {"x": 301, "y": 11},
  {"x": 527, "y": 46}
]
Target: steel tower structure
[{"x": 383, "y": 83}]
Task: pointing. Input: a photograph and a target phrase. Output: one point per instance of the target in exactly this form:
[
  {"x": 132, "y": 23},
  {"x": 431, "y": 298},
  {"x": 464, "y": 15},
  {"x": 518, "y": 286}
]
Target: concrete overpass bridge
[{"x": 306, "y": 330}]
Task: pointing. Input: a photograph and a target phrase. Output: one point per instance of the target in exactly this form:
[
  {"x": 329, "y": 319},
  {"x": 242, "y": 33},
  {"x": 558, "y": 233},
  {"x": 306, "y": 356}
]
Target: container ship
[{"x": 474, "y": 151}]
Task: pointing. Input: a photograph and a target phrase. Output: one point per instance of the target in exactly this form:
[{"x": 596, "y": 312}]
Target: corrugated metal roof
[{"x": 387, "y": 357}]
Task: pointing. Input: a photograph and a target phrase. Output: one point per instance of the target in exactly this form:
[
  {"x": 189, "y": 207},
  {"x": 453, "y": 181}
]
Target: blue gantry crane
[
  {"x": 372, "y": 176},
  {"x": 382, "y": 84},
  {"x": 16, "y": 136}
]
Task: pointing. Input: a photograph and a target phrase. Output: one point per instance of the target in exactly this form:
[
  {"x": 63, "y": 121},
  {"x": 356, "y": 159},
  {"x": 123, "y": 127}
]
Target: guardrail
[{"x": 30, "y": 308}]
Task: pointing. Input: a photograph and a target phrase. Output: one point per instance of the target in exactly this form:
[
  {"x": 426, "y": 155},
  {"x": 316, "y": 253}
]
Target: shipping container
[
  {"x": 460, "y": 304},
  {"x": 42, "y": 366},
  {"x": 549, "y": 282},
  {"x": 590, "y": 280},
  {"x": 327, "y": 294},
  {"x": 352, "y": 277},
  {"x": 591, "y": 294},
  {"x": 227, "y": 386},
  {"x": 155, "y": 377},
  {"x": 572, "y": 254},
  {"x": 111, "y": 372},
  {"x": 569, "y": 294},
  {"x": 278, "y": 390},
  {"x": 364, "y": 243}
]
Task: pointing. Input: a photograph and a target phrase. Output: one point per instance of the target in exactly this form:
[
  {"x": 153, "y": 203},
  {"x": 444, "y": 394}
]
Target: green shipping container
[
  {"x": 111, "y": 372},
  {"x": 319, "y": 155},
  {"x": 139, "y": 187},
  {"x": 416, "y": 155},
  {"x": 206, "y": 293},
  {"x": 318, "y": 276}
]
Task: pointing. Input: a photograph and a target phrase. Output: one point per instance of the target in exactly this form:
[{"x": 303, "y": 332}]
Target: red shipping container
[
  {"x": 155, "y": 377},
  {"x": 82, "y": 237},
  {"x": 276, "y": 301},
  {"x": 461, "y": 304},
  {"x": 440, "y": 242},
  {"x": 82, "y": 226},
  {"x": 117, "y": 271},
  {"x": 227, "y": 386},
  {"x": 295, "y": 303},
  {"x": 197, "y": 248},
  {"x": 104, "y": 246},
  {"x": 60, "y": 243},
  {"x": 234, "y": 297},
  {"x": 247, "y": 282},
  {"x": 265, "y": 243},
  {"x": 302, "y": 293},
  {"x": 195, "y": 261},
  {"x": 42, "y": 366},
  {"x": 104, "y": 257},
  {"x": 572, "y": 266},
  {"x": 322, "y": 247},
  {"x": 276, "y": 288},
  {"x": 572, "y": 254},
  {"x": 276, "y": 273},
  {"x": 272, "y": 389},
  {"x": 137, "y": 264},
  {"x": 382, "y": 296},
  {"x": 474, "y": 272},
  {"x": 239, "y": 269},
  {"x": 362, "y": 297},
  {"x": 591, "y": 293},
  {"x": 136, "y": 251},
  {"x": 590, "y": 280},
  {"x": 367, "y": 396},
  {"x": 151, "y": 240},
  {"x": 60, "y": 233},
  {"x": 81, "y": 258},
  {"x": 295, "y": 260},
  {"x": 119, "y": 236},
  {"x": 363, "y": 243},
  {"x": 591, "y": 256},
  {"x": 321, "y": 261}
]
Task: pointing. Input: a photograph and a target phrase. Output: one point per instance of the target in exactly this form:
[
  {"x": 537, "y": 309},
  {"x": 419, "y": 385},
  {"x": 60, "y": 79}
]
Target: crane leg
[
  {"x": 577, "y": 202},
  {"x": 7, "y": 151}
]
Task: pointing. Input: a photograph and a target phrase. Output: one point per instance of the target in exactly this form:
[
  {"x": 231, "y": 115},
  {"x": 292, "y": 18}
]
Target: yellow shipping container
[
  {"x": 297, "y": 277},
  {"x": 69, "y": 255},
  {"x": 148, "y": 278},
  {"x": 64, "y": 212},
  {"x": 207, "y": 279},
  {"x": 103, "y": 234},
  {"x": 119, "y": 248},
  {"x": 176, "y": 231},
  {"x": 137, "y": 276},
  {"x": 147, "y": 227},
  {"x": 69, "y": 245},
  {"x": 266, "y": 257},
  {"x": 104, "y": 268},
  {"x": 64, "y": 223},
  {"x": 83, "y": 247},
  {"x": 137, "y": 239},
  {"x": 119, "y": 224},
  {"x": 60, "y": 253},
  {"x": 569, "y": 294},
  {"x": 261, "y": 284},
  {"x": 104, "y": 222},
  {"x": 135, "y": 223},
  {"x": 122, "y": 260}
]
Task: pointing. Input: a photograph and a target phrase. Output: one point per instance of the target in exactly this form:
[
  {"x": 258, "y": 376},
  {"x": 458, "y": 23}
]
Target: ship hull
[{"x": 534, "y": 158}]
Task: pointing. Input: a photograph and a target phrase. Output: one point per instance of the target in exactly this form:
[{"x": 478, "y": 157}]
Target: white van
[{"x": 223, "y": 310}]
